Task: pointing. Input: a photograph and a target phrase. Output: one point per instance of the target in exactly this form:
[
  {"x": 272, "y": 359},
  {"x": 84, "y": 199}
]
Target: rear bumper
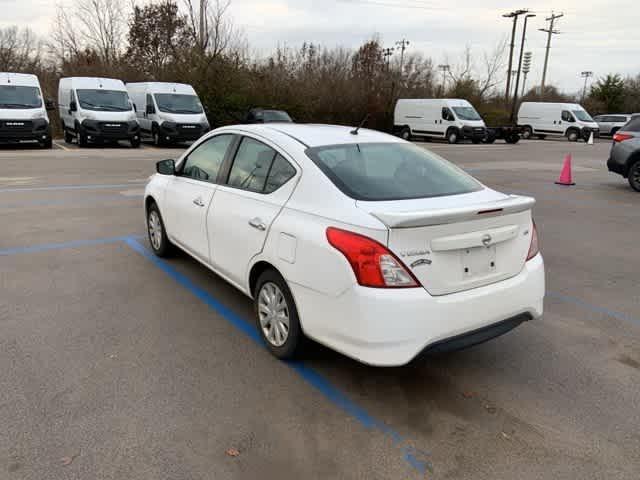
[
  {"x": 392, "y": 327},
  {"x": 616, "y": 167}
]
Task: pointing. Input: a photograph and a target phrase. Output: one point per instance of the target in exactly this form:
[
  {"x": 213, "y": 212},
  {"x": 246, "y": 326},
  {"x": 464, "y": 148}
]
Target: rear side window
[
  {"x": 632, "y": 126},
  {"x": 259, "y": 168},
  {"x": 390, "y": 171}
]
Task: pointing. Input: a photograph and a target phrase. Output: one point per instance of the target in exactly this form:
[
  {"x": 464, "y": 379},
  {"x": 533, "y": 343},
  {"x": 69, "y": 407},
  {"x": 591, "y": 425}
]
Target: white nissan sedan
[{"x": 359, "y": 240}]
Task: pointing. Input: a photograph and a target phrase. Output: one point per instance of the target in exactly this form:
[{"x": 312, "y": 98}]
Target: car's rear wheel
[
  {"x": 160, "y": 243},
  {"x": 634, "y": 176},
  {"x": 277, "y": 316}
]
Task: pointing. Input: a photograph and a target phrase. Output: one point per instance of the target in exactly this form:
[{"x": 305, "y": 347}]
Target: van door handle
[
  {"x": 258, "y": 224},
  {"x": 198, "y": 201}
]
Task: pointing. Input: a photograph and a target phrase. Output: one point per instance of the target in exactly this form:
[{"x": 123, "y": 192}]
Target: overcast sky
[{"x": 596, "y": 35}]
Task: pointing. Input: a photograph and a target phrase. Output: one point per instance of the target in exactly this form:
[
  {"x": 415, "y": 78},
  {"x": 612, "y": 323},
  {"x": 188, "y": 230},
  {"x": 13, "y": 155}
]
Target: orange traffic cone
[{"x": 565, "y": 174}]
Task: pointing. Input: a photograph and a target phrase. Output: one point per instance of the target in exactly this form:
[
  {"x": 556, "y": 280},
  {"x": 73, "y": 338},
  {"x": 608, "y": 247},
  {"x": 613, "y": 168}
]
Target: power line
[
  {"x": 586, "y": 75},
  {"x": 515, "y": 90},
  {"x": 403, "y": 44},
  {"x": 550, "y": 31},
  {"x": 515, "y": 16}
]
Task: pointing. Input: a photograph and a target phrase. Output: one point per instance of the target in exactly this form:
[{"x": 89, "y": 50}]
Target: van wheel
[
  {"x": 157, "y": 139},
  {"x": 405, "y": 134},
  {"x": 68, "y": 138},
  {"x": 527, "y": 133},
  {"x": 135, "y": 142},
  {"x": 634, "y": 176},
  {"x": 48, "y": 143},
  {"x": 82, "y": 139},
  {"x": 452, "y": 136},
  {"x": 277, "y": 317},
  {"x": 572, "y": 136}
]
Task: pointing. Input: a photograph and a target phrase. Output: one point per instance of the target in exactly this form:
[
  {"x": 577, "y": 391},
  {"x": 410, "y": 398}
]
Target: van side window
[
  {"x": 149, "y": 102},
  {"x": 446, "y": 114},
  {"x": 567, "y": 117}
]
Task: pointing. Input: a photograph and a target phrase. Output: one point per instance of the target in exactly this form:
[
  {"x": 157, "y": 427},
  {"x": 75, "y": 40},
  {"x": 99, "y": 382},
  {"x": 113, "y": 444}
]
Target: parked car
[
  {"x": 624, "y": 157},
  {"x": 542, "y": 119},
  {"x": 359, "y": 240},
  {"x": 23, "y": 110},
  {"x": 610, "y": 124},
  {"x": 96, "y": 110},
  {"x": 168, "y": 112},
  {"x": 262, "y": 115},
  {"x": 447, "y": 118}
]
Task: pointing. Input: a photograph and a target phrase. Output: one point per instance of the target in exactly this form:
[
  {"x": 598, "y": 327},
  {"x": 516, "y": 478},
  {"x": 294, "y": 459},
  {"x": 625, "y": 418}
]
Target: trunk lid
[{"x": 458, "y": 242}]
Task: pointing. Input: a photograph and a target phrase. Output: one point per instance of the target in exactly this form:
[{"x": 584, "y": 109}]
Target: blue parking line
[
  {"x": 594, "y": 308},
  {"x": 71, "y": 187},
  {"x": 415, "y": 459}
]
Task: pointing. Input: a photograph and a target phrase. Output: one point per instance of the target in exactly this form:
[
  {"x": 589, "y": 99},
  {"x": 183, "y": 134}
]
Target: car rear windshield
[
  {"x": 12, "y": 96},
  {"x": 390, "y": 171},
  {"x": 632, "y": 126}
]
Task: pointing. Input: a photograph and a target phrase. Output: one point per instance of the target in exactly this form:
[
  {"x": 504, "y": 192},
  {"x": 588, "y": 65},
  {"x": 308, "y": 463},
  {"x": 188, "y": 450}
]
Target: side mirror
[
  {"x": 73, "y": 106},
  {"x": 166, "y": 167},
  {"x": 49, "y": 104},
  {"x": 135, "y": 108},
  {"x": 150, "y": 110}
]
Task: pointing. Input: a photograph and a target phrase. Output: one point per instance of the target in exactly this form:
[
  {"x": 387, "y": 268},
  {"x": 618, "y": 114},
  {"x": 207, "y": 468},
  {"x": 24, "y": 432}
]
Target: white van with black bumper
[
  {"x": 542, "y": 119},
  {"x": 168, "y": 112},
  {"x": 97, "y": 110},
  {"x": 23, "y": 111}
]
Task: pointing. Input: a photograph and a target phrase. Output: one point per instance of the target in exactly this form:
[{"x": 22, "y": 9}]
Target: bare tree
[
  {"x": 20, "y": 50},
  {"x": 213, "y": 30},
  {"x": 493, "y": 66}
]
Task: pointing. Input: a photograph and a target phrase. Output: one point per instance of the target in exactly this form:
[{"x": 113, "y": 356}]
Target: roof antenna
[{"x": 364, "y": 120}]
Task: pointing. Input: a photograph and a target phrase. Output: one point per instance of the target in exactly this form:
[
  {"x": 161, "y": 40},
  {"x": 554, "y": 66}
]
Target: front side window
[
  {"x": 467, "y": 113},
  {"x": 567, "y": 117},
  {"x": 390, "y": 171},
  {"x": 447, "y": 115},
  {"x": 13, "y": 96},
  {"x": 178, "y": 103},
  {"x": 582, "y": 116},
  {"x": 104, "y": 100},
  {"x": 205, "y": 161}
]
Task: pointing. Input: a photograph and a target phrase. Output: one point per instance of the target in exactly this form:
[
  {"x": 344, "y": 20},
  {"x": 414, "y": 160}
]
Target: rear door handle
[
  {"x": 258, "y": 224},
  {"x": 198, "y": 201}
]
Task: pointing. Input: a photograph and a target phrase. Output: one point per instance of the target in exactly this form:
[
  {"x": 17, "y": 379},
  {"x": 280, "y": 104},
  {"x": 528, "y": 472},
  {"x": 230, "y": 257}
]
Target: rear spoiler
[{"x": 442, "y": 216}]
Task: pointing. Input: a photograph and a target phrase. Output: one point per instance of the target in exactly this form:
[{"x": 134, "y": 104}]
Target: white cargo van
[
  {"x": 168, "y": 112},
  {"x": 542, "y": 119},
  {"x": 23, "y": 111},
  {"x": 452, "y": 119},
  {"x": 96, "y": 110}
]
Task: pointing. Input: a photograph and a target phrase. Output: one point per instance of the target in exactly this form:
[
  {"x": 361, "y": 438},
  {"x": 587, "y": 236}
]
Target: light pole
[
  {"x": 403, "y": 44},
  {"x": 387, "y": 52},
  {"x": 526, "y": 68},
  {"x": 444, "y": 69},
  {"x": 515, "y": 91},
  {"x": 550, "y": 31},
  {"x": 586, "y": 75},
  {"x": 513, "y": 15}
]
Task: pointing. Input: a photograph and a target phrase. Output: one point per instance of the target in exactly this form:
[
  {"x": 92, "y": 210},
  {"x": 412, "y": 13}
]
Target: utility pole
[
  {"x": 403, "y": 44},
  {"x": 515, "y": 90},
  {"x": 526, "y": 68},
  {"x": 550, "y": 31},
  {"x": 586, "y": 75},
  {"x": 444, "y": 69},
  {"x": 513, "y": 15},
  {"x": 202, "y": 12},
  {"x": 386, "y": 53}
]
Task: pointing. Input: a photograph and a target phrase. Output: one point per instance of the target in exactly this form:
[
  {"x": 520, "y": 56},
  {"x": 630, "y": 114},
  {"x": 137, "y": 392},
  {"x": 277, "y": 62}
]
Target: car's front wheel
[
  {"x": 158, "y": 239},
  {"x": 277, "y": 316},
  {"x": 634, "y": 176}
]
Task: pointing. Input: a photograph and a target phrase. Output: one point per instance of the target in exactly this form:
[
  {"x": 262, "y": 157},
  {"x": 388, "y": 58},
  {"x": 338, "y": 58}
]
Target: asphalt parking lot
[{"x": 117, "y": 365}]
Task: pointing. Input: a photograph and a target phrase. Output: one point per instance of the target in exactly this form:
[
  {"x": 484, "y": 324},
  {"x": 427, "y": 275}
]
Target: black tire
[
  {"x": 157, "y": 138},
  {"x": 82, "y": 140},
  {"x": 541, "y": 137},
  {"x": 47, "y": 144},
  {"x": 452, "y": 136},
  {"x": 573, "y": 135},
  {"x": 68, "y": 137},
  {"x": 527, "y": 132},
  {"x": 161, "y": 245},
  {"x": 295, "y": 339},
  {"x": 489, "y": 139},
  {"x": 512, "y": 139},
  {"x": 634, "y": 176},
  {"x": 405, "y": 134},
  {"x": 135, "y": 142},
  {"x": 476, "y": 141}
]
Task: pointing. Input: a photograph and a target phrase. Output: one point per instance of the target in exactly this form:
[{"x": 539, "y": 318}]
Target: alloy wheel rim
[
  {"x": 273, "y": 313},
  {"x": 155, "y": 230}
]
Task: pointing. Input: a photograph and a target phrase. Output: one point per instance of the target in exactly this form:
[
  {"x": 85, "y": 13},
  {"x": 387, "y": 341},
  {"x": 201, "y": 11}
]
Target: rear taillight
[
  {"x": 372, "y": 263},
  {"x": 534, "y": 248},
  {"x": 621, "y": 137}
]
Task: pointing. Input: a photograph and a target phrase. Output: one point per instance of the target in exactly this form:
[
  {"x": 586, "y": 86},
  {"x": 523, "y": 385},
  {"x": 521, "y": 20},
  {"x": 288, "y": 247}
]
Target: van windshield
[
  {"x": 582, "y": 116},
  {"x": 104, "y": 100},
  {"x": 467, "y": 113},
  {"x": 13, "y": 96},
  {"x": 176, "y": 103},
  {"x": 390, "y": 171}
]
